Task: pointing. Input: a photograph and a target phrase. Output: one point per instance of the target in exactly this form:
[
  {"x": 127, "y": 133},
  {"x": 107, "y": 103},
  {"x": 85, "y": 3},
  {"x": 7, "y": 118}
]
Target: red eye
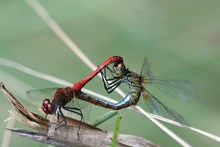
[
  {"x": 45, "y": 102},
  {"x": 50, "y": 108},
  {"x": 47, "y": 106}
]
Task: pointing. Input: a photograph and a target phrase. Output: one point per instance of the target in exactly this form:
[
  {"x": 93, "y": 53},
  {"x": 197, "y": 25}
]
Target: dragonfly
[
  {"x": 177, "y": 89},
  {"x": 63, "y": 96}
]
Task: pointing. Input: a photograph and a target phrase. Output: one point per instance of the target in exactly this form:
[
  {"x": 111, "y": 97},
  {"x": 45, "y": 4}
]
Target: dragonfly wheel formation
[
  {"x": 119, "y": 74},
  {"x": 64, "y": 96}
]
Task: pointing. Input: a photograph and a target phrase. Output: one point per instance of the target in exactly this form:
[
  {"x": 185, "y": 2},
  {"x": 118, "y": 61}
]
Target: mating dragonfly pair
[{"x": 119, "y": 74}]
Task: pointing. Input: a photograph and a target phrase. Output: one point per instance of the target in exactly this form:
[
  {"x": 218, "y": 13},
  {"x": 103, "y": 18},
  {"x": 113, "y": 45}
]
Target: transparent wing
[
  {"x": 84, "y": 106},
  {"x": 40, "y": 94},
  {"x": 160, "y": 109},
  {"x": 177, "y": 89},
  {"x": 145, "y": 70}
]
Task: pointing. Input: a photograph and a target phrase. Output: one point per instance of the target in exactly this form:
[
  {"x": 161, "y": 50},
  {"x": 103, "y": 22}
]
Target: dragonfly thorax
[
  {"x": 63, "y": 96},
  {"x": 133, "y": 80}
]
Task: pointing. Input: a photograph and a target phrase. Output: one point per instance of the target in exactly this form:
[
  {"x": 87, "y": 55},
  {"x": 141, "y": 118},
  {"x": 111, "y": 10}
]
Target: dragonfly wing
[
  {"x": 145, "y": 70},
  {"x": 35, "y": 97},
  {"x": 160, "y": 109},
  {"x": 176, "y": 89},
  {"x": 84, "y": 106},
  {"x": 40, "y": 94}
]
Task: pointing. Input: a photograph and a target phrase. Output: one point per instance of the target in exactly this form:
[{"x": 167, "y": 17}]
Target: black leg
[
  {"x": 105, "y": 75},
  {"x": 113, "y": 87},
  {"x": 111, "y": 83},
  {"x": 115, "y": 84},
  {"x": 60, "y": 113},
  {"x": 78, "y": 112},
  {"x": 111, "y": 71}
]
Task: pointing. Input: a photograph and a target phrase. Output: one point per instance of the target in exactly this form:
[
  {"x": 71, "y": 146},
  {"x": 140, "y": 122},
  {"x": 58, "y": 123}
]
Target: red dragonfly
[
  {"x": 177, "y": 89},
  {"x": 63, "y": 96}
]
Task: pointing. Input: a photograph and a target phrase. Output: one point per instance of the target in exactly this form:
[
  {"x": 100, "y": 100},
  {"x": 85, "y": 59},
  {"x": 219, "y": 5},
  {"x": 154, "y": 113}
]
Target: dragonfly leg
[
  {"x": 78, "y": 112},
  {"x": 60, "y": 113},
  {"x": 111, "y": 83},
  {"x": 46, "y": 115},
  {"x": 111, "y": 72},
  {"x": 113, "y": 86}
]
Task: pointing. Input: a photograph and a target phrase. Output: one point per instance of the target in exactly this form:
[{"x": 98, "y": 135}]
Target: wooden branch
[
  {"x": 67, "y": 137},
  {"x": 75, "y": 133}
]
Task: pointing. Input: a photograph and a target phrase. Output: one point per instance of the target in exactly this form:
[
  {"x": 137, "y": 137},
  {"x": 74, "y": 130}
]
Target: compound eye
[
  {"x": 46, "y": 102},
  {"x": 119, "y": 68},
  {"x": 47, "y": 106},
  {"x": 50, "y": 108}
]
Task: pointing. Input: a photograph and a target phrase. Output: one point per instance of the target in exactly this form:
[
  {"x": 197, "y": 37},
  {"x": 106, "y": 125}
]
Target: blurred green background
[{"x": 181, "y": 40}]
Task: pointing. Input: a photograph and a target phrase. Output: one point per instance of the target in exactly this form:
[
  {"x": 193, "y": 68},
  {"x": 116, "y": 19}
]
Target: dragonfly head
[
  {"x": 119, "y": 68},
  {"x": 48, "y": 107}
]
